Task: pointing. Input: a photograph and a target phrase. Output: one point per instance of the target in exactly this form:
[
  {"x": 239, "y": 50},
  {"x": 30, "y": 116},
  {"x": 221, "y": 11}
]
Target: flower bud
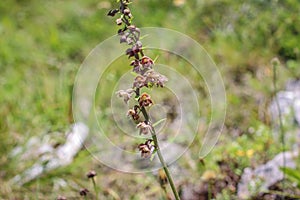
[
  {"x": 135, "y": 63},
  {"x": 113, "y": 12},
  {"x": 139, "y": 44},
  {"x": 137, "y": 30},
  {"x": 137, "y": 67},
  {"x": 130, "y": 52},
  {"x": 120, "y": 32},
  {"x": 126, "y": 11},
  {"x": 91, "y": 174},
  {"x": 275, "y": 62},
  {"x": 163, "y": 180},
  {"x": 136, "y": 49},
  {"x": 83, "y": 192},
  {"x": 132, "y": 27},
  {"x": 119, "y": 21},
  {"x": 123, "y": 39}
]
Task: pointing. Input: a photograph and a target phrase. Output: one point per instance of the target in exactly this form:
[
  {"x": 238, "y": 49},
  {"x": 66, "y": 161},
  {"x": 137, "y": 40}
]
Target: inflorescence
[{"x": 146, "y": 76}]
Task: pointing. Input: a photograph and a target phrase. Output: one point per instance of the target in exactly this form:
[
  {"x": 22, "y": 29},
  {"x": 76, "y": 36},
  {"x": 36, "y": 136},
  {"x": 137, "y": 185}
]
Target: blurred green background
[{"x": 43, "y": 43}]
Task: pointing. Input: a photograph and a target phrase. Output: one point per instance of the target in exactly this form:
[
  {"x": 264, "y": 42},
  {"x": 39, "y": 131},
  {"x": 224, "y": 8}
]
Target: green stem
[
  {"x": 280, "y": 120},
  {"x": 160, "y": 156},
  {"x": 95, "y": 187}
]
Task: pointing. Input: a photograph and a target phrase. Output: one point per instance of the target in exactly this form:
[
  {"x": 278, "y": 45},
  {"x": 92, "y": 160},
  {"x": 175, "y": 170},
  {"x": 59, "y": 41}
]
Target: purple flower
[
  {"x": 144, "y": 128},
  {"x": 134, "y": 113},
  {"x": 155, "y": 78},
  {"x": 146, "y": 148},
  {"x": 145, "y": 100},
  {"x": 139, "y": 81},
  {"x": 130, "y": 52},
  {"x": 132, "y": 28},
  {"x": 125, "y": 94},
  {"x": 136, "y": 48},
  {"x": 147, "y": 62},
  {"x": 137, "y": 67}
]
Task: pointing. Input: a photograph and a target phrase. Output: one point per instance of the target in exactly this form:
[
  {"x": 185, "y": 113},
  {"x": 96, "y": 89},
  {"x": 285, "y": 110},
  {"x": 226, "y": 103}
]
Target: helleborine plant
[{"x": 146, "y": 77}]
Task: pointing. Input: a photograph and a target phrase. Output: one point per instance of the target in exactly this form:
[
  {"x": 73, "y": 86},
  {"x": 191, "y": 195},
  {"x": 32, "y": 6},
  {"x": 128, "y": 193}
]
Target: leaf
[
  {"x": 142, "y": 37},
  {"x": 292, "y": 174},
  {"x": 155, "y": 59},
  {"x": 159, "y": 121}
]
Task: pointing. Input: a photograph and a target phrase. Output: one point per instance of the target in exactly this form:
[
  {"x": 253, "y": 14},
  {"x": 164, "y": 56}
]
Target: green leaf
[
  {"x": 159, "y": 121},
  {"x": 142, "y": 37},
  {"x": 292, "y": 174},
  {"x": 155, "y": 59}
]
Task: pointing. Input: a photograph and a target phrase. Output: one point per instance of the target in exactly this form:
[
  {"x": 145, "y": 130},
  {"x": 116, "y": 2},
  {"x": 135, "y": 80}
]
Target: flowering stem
[
  {"x": 160, "y": 156},
  {"x": 146, "y": 77}
]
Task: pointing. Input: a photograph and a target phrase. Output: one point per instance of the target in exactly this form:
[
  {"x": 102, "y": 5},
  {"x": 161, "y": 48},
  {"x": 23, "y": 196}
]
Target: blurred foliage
[
  {"x": 293, "y": 175},
  {"x": 44, "y": 42}
]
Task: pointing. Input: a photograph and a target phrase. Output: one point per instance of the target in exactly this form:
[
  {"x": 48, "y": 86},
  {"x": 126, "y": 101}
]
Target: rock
[
  {"x": 297, "y": 111},
  {"x": 51, "y": 158},
  {"x": 264, "y": 176},
  {"x": 289, "y": 102},
  {"x": 285, "y": 101},
  {"x": 294, "y": 86}
]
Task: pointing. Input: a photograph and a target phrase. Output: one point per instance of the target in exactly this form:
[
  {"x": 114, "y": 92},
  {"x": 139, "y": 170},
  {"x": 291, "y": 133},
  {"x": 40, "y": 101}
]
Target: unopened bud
[
  {"x": 126, "y": 11},
  {"x": 119, "y": 21},
  {"x": 83, "y": 192},
  {"x": 91, "y": 174},
  {"x": 275, "y": 62}
]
